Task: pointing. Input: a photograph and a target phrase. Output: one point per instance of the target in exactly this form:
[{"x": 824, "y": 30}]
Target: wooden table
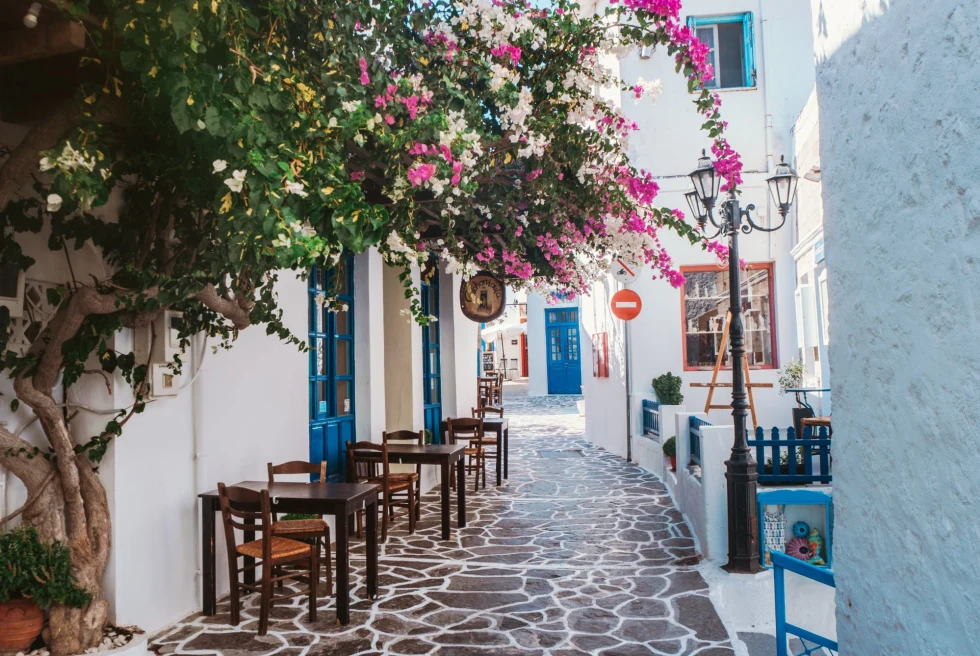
[
  {"x": 501, "y": 428},
  {"x": 443, "y": 455},
  {"x": 341, "y": 500}
]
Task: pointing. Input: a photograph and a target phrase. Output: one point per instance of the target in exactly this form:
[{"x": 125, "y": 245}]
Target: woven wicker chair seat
[
  {"x": 298, "y": 526},
  {"x": 472, "y": 451},
  {"x": 816, "y": 421},
  {"x": 487, "y": 441},
  {"x": 282, "y": 548}
]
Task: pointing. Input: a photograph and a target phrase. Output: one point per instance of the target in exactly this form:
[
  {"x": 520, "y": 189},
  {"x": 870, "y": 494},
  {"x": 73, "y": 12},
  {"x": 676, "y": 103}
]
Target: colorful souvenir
[
  {"x": 816, "y": 544},
  {"x": 801, "y": 530},
  {"x": 798, "y": 548},
  {"x": 774, "y": 528}
]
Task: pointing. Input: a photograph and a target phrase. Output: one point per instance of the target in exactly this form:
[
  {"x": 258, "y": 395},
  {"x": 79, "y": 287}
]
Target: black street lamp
[{"x": 743, "y": 519}]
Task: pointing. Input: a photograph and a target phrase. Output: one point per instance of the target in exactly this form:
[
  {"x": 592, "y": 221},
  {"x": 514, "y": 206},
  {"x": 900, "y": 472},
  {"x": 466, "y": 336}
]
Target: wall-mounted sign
[
  {"x": 625, "y": 304},
  {"x": 624, "y": 271},
  {"x": 600, "y": 355},
  {"x": 483, "y": 297}
]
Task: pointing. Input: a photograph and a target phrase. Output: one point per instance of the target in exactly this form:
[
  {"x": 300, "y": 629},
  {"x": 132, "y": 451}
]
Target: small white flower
[
  {"x": 351, "y": 106},
  {"x": 549, "y": 86},
  {"x": 219, "y": 165},
  {"x": 54, "y": 202},
  {"x": 296, "y": 188},
  {"x": 46, "y": 164},
  {"x": 236, "y": 181},
  {"x": 200, "y": 124},
  {"x": 332, "y": 122},
  {"x": 433, "y": 318},
  {"x": 105, "y": 173}
]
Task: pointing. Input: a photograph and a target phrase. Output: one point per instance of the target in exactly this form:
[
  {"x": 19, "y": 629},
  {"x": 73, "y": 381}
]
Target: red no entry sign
[{"x": 625, "y": 304}]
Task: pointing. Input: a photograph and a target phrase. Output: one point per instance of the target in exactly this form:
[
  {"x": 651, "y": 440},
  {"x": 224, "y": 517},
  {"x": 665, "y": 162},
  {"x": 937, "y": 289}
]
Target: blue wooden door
[
  {"x": 331, "y": 340},
  {"x": 431, "y": 356},
  {"x": 564, "y": 361}
]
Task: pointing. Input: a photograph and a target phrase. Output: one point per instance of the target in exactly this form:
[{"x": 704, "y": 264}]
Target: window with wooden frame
[
  {"x": 704, "y": 306},
  {"x": 730, "y": 40}
]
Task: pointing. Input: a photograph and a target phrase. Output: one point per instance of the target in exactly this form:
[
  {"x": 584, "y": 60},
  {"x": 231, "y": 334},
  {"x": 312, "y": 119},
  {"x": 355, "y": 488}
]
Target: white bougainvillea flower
[
  {"x": 296, "y": 188},
  {"x": 219, "y": 165},
  {"x": 54, "y": 202},
  {"x": 200, "y": 124},
  {"x": 236, "y": 181},
  {"x": 46, "y": 164}
]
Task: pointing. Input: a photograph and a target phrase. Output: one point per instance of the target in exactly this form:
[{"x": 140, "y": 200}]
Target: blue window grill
[
  {"x": 789, "y": 461},
  {"x": 651, "y": 418},
  {"x": 811, "y": 644},
  {"x": 694, "y": 433}
]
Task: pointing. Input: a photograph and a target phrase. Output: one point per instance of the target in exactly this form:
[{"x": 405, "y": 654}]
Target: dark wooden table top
[
  {"x": 308, "y": 491},
  {"x": 427, "y": 449}
]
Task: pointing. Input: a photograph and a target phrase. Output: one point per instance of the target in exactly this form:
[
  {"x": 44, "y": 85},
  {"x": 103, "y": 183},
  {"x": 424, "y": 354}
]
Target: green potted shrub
[
  {"x": 33, "y": 576},
  {"x": 668, "y": 389},
  {"x": 427, "y": 436},
  {"x": 792, "y": 376},
  {"x": 670, "y": 452}
]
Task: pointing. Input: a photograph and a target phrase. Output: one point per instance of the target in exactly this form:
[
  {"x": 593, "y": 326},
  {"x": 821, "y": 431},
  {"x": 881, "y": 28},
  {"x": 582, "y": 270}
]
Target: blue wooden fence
[
  {"x": 811, "y": 643},
  {"x": 694, "y": 432},
  {"x": 799, "y": 467},
  {"x": 651, "y": 418}
]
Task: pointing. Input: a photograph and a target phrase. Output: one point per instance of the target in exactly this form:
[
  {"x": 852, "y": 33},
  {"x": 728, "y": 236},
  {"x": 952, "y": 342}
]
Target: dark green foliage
[
  {"x": 670, "y": 447},
  {"x": 668, "y": 389},
  {"x": 33, "y": 570}
]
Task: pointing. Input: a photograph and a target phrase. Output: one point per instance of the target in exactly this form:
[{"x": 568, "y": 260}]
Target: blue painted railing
[
  {"x": 651, "y": 417},
  {"x": 799, "y": 454},
  {"x": 811, "y": 643},
  {"x": 694, "y": 425}
]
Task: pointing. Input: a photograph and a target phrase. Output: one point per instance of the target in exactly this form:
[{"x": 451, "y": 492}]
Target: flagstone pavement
[{"x": 579, "y": 552}]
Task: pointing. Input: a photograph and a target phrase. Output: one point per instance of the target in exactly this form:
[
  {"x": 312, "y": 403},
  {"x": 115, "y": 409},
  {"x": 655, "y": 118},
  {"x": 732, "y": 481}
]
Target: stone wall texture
[{"x": 898, "y": 84}]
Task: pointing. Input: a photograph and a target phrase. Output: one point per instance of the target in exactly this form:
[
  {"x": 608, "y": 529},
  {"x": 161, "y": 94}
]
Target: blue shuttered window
[{"x": 731, "y": 39}]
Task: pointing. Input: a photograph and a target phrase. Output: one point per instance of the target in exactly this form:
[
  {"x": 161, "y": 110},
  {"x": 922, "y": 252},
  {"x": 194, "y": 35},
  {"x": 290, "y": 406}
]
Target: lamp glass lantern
[
  {"x": 706, "y": 181},
  {"x": 697, "y": 208},
  {"x": 782, "y": 186}
]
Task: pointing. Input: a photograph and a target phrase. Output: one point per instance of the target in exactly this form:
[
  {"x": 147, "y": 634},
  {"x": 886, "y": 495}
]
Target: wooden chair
[
  {"x": 240, "y": 505},
  {"x": 311, "y": 528},
  {"x": 407, "y": 437},
  {"x": 368, "y": 463},
  {"x": 471, "y": 431},
  {"x": 488, "y": 441},
  {"x": 484, "y": 390},
  {"x": 486, "y": 410},
  {"x": 816, "y": 423}
]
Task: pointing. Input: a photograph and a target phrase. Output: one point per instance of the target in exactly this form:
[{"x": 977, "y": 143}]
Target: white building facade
[{"x": 763, "y": 52}]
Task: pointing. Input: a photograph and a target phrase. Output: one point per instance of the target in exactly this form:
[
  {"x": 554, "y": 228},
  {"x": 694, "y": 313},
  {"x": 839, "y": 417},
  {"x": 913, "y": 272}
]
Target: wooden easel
[{"x": 714, "y": 384}]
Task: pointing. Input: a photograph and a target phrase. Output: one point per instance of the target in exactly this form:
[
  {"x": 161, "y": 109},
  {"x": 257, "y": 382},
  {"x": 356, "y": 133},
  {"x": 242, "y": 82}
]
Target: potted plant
[
  {"x": 34, "y": 576},
  {"x": 427, "y": 436},
  {"x": 792, "y": 376},
  {"x": 668, "y": 389},
  {"x": 670, "y": 452}
]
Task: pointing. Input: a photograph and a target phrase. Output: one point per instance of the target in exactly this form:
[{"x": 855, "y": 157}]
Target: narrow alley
[{"x": 578, "y": 553}]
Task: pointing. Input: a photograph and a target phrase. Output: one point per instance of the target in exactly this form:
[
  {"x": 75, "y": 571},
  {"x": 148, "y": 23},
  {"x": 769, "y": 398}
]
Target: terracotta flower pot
[
  {"x": 673, "y": 463},
  {"x": 21, "y": 621}
]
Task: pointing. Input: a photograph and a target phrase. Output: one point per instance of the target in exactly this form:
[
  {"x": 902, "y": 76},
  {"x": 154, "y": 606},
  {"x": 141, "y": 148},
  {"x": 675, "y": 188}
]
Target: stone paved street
[{"x": 578, "y": 553}]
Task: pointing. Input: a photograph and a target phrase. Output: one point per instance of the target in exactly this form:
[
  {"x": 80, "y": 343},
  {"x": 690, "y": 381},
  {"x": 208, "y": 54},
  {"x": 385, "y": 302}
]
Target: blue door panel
[
  {"x": 431, "y": 355},
  {"x": 317, "y": 444},
  {"x": 563, "y": 351}
]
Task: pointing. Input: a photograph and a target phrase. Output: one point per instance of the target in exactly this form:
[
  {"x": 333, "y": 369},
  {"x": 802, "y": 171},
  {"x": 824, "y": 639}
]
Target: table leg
[
  {"x": 461, "y": 492},
  {"x": 506, "y": 449},
  {"x": 343, "y": 571},
  {"x": 447, "y": 471},
  {"x": 371, "y": 548},
  {"x": 208, "y": 592},
  {"x": 500, "y": 454},
  {"x": 248, "y": 536}
]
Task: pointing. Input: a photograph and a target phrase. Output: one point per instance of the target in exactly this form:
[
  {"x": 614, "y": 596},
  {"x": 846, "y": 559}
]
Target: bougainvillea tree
[{"x": 241, "y": 138}]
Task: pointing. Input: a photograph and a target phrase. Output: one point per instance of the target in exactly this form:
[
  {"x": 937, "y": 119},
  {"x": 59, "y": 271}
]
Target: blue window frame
[
  {"x": 731, "y": 39},
  {"x": 431, "y": 355},
  {"x": 331, "y": 375}
]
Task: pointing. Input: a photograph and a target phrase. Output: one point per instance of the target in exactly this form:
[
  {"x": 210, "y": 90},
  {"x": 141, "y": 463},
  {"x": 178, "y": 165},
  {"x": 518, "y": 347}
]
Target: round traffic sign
[
  {"x": 625, "y": 271},
  {"x": 625, "y": 304}
]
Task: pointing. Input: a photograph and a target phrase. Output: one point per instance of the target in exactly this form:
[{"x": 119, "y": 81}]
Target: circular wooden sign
[
  {"x": 483, "y": 297},
  {"x": 626, "y": 304}
]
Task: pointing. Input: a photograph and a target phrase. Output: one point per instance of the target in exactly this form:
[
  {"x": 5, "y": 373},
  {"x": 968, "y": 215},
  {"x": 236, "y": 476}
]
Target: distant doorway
[{"x": 564, "y": 361}]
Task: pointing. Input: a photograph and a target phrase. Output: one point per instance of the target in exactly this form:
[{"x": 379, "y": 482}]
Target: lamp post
[{"x": 743, "y": 520}]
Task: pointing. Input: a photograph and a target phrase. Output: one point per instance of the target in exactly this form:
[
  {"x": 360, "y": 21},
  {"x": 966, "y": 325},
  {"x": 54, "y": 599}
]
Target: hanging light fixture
[
  {"x": 30, "y": 18},
  {"x": 782, "y": 186},
  {"x": 697, "y": 208},
  {"x": 706, "y": 181}
]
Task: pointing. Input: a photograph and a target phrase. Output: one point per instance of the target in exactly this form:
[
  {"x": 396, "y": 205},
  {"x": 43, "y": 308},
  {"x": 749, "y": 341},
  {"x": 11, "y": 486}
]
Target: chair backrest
[
  {"x": 363, "y": 459},
  {"x": 298, "y": 467},
  {"x": 487, "y": 410},
  {"x": 403, "y": 437},
  {"x": 465, "y": 429},
  {"x": 240, "y": 504}
]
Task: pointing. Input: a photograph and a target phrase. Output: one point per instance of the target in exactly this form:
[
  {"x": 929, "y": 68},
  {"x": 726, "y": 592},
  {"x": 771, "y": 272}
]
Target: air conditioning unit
[{"x": 158, "y": 344}]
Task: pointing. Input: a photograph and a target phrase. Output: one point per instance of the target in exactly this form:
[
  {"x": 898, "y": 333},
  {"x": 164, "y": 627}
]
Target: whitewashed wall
[
  {"x": 897, "y": 85},
  {"x": 668, "y": 145}
]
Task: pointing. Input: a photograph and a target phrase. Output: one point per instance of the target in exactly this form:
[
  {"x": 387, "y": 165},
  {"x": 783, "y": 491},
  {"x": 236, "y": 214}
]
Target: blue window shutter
[
  {"x": 692, "y": 22},
  {"x": 749, "y": 44}
]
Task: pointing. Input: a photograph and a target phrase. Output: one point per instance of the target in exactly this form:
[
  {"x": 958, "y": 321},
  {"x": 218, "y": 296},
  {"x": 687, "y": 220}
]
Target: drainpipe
[{"x": 198, "y": 346}]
